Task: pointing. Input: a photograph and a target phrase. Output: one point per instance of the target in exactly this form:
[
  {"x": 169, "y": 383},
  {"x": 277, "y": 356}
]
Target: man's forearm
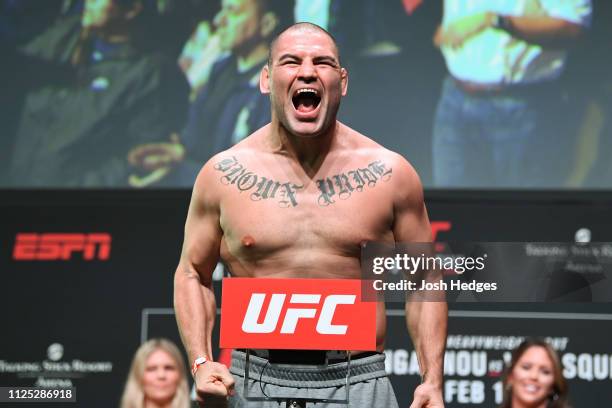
[
  {"x": 543, "y": 30},
  {"x": 195, "y": 308},
  {"x": 427, "y": 322}
]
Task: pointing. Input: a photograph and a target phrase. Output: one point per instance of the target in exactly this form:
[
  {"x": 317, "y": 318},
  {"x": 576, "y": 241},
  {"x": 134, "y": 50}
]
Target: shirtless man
[{"x": 322, "y": 189}]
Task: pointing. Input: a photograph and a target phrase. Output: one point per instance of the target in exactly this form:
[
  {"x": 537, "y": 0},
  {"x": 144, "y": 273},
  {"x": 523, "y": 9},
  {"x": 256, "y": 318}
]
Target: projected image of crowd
[{"x": 477, "y": 94}]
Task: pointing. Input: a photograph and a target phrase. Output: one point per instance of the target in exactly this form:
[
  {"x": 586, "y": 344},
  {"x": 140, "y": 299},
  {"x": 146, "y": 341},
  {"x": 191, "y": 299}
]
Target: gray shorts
[{"x": 369, "y": 385}]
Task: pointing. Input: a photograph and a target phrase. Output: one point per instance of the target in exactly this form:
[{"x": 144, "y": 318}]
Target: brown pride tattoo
[
  {"x": 265, "y": 188},
  {"x": 339, "y": 186},
  {"x": 342, "y": 185}
]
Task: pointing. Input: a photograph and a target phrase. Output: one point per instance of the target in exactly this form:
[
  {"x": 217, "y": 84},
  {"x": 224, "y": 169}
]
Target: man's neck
[
  {"x": 308, "y": 151},
  {"x": 255, "y": 56}
]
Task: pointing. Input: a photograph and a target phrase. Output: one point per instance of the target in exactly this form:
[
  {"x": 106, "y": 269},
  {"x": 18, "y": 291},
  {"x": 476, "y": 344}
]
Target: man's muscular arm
[
  {"x": 535, "y": 26},
  {"x": 426, "y": 320},
  {"x": 194, "y": 299},
  {"x": 543, "y": 30}
]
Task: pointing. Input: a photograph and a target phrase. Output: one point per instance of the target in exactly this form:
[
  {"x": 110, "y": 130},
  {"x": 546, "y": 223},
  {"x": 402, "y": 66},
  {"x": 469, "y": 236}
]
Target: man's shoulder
[
  {"x": 362, "y": 145},
  {"x": 406, "y": 187},
  {"x": 224, "y": 63},
  {"x": 236, "y": 158}
]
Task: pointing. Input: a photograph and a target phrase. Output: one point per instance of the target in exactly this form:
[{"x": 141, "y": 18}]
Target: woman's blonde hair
[{"x": 133, "y": 395}]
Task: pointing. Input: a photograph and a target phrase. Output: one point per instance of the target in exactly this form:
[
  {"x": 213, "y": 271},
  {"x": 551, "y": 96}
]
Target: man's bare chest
[{"x": 273, "y": 210}]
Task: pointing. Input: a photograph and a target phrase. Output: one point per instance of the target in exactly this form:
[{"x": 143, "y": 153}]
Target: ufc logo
[
  {"x": 293, "y": 315},
  {"x": 55, "y": 246},
  {"x": 300, "y": 314}
]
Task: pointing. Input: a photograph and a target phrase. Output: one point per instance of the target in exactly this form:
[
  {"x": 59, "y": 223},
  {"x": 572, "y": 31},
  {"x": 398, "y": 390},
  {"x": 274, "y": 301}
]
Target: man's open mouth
[{"x": 306, "y": 100}]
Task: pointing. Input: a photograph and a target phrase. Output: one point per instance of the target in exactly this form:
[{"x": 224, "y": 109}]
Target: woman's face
[
  {"x": 532, "y": 378},
  {"x": 161, "y": 377}
]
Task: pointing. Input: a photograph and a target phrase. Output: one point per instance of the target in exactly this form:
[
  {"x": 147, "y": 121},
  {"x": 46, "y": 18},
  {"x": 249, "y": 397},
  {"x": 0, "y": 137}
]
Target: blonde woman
[{"x": 157, "y": 378}]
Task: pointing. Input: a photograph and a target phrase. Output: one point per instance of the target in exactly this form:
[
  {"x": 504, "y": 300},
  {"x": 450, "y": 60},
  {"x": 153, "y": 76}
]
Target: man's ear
[
  {"x": 264, "y": 80},
  {"x": 344, "y": 80},
  {"x": 268, "y": 23}
]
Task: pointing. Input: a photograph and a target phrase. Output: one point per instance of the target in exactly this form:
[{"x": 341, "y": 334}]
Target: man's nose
[{"x": 307, "y": 72}]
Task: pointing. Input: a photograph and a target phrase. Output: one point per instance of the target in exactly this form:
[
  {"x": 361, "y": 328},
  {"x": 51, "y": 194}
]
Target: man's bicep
[
  {"x": 200, "y": 252},
  {"x": 411, "y": 222}
]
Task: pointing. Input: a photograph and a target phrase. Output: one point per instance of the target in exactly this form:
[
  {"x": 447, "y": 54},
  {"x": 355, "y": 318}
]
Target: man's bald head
[{"x": 301, "y": 27}]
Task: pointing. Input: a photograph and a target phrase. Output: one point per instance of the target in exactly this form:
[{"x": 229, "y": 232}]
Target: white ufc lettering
[
  {"x": 324, "y": 325},
  {"x": 293, "y": 315},
  {"x": 250, "y": 325}
]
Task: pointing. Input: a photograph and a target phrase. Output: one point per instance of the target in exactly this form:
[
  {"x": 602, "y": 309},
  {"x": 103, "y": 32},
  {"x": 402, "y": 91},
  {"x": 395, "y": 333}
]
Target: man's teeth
[{"x": 310, "y": 90}]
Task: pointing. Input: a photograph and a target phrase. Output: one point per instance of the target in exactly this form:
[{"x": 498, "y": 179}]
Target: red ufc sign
[
  {"x": 308, "y": 314},
  {"x": 61, "y": 247}
]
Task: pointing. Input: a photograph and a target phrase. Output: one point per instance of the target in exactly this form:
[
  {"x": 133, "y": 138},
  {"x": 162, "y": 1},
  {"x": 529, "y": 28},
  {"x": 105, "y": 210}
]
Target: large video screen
[{"x": 476, "y": 94}]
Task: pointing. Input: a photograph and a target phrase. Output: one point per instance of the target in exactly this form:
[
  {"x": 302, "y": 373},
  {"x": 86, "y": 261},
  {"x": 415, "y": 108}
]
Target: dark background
[{"x": 102, "y": 310}]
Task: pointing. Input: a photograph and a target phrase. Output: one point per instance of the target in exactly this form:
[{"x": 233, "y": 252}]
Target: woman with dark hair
[{"x": 534, "y": 378}]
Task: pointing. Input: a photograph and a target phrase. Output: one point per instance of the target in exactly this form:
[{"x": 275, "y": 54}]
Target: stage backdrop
[{"x": 75, "y": 108}]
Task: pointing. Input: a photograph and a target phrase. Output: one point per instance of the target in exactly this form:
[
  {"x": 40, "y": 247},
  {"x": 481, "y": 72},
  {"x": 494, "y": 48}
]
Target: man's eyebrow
[
  {"x": 326, "y": 58},
  {"x": 323, "y": 58},
  {"x": 288, "y": 56}
]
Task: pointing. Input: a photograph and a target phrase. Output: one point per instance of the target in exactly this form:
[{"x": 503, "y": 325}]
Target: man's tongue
[{"x": 306, "y": 103}]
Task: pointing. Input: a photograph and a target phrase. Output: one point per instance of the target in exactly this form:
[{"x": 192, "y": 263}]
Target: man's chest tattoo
[
  {"x": 258, "y": 187},
  {"x": 338, "y": 186},
  {"x": 343, "y": 185}
]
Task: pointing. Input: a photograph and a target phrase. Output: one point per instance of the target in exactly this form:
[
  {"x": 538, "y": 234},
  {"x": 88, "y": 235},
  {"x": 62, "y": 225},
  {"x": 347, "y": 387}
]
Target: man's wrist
[
  {"x": 432, "y": 381},
  {"x": 197, "y": 363},
  {"x": 501, "y": 22}
]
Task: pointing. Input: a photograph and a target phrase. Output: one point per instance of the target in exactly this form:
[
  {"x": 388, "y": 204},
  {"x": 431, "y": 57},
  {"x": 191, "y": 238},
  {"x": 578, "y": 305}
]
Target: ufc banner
[{"x": 308, "y": 314}]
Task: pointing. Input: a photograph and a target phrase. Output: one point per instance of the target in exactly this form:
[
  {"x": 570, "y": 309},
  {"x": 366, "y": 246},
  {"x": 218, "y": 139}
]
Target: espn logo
[
  {"x": 61, "y": 247},
  {"x": 293, "y": 315},
  {"x": 307, "y": 314}
]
